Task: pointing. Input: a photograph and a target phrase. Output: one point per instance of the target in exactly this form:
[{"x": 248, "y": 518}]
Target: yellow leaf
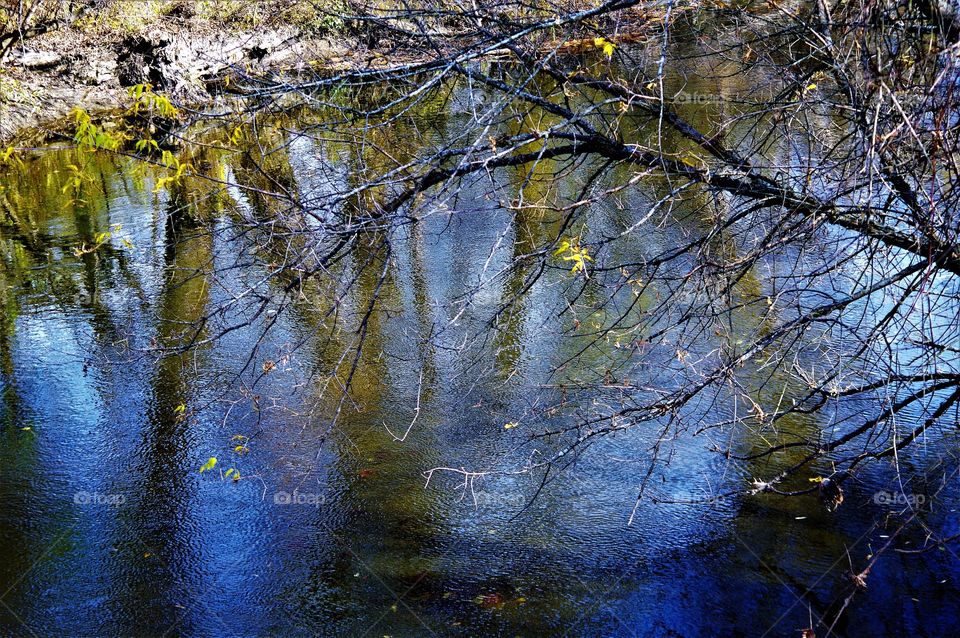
[
  {"x": 604, "y": 45},
  {"x": 209, "y": 465},
  {"x": 511, "y": 425}
]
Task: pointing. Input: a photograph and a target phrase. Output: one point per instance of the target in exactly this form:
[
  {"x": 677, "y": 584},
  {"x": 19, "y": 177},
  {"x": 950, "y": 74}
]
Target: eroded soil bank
[{"x": 91, "y": 64}]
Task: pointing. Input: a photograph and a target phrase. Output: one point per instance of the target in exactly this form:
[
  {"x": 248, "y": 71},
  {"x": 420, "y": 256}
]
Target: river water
[{"x": 108, "y": 526}]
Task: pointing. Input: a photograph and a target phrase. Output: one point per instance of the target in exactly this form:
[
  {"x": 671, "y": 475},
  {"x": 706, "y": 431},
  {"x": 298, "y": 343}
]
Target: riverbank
[{"x": 91, "y": 63}]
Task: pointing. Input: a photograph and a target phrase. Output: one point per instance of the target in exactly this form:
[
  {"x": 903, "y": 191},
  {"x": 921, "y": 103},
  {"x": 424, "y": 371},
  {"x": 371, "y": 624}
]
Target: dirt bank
[{"x": 185, "y": 57}]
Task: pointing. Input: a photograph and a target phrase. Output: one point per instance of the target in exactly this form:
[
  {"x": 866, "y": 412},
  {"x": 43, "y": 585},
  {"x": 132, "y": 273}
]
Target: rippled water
[{"x": 107, "y": 527}]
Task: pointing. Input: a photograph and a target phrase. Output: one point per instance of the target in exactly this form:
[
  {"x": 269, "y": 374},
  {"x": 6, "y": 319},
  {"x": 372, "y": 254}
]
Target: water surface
[{"x": 108, "y": 527}]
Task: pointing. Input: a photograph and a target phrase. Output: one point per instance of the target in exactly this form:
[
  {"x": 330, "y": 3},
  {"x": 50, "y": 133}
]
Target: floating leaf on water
[
  {"x": 209, "y": 465},
  {"x": 490, "y": 601}
]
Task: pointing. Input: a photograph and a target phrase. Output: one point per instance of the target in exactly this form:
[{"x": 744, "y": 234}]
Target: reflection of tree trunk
[
  {"x": 422, "y": 306},
  {"x": 9, "y": 310},
  {"x": 96, "y": 267},
  {"x": 180, "y": 217},
  {"x": 26, "y": 233},
  {"x": 508, "y": 340},
  {"x": 160, "y": 511},
  {"x": 366, "y": 371},
  {"x": 22, "y": 473}
]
